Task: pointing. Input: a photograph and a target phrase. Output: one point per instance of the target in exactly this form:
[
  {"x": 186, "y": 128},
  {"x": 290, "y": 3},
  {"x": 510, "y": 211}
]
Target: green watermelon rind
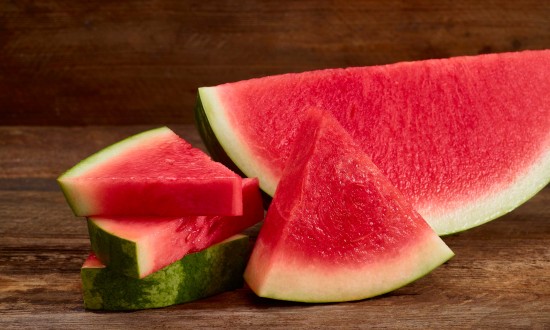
[
  {"x": 223, "y": 142},
  {"x": 199, "y": 275},
  {"x": 119, "y": 253},
  {"x": 97, "y": 158}
]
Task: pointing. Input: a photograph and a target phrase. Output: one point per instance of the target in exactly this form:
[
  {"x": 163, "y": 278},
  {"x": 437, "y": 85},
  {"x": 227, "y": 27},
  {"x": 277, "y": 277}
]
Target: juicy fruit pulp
[
  {"x": 465, "y": 139},
  {"x": 337, "y": 230},
  {"x": 138, "y": 247},
  {"x": 198, "y": 275},
  {"x": 155, "y": 173}
]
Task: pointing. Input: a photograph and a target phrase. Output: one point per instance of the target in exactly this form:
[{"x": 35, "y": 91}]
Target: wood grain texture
[
  {"x": 95, "y": 62},
  {"x": 500, "y": 277}
]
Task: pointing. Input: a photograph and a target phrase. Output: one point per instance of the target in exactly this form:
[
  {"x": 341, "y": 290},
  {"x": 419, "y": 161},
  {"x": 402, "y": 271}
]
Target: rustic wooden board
[
  {"x": 96, "y": 62},
  {"x": 500, "y": 277}
]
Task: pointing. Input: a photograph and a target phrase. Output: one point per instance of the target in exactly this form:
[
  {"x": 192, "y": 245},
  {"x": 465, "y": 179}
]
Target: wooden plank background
[
  {"x": 70, "y": 70},
  {"x": 141, "y": 62}
]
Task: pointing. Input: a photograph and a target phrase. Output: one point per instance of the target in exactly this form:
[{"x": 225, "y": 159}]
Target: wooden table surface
[
  {"x": 500, "y": 276},
  {"x": 76, "y": 76}
]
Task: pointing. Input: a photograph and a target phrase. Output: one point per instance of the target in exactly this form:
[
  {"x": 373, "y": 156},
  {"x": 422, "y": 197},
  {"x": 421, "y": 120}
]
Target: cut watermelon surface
[
  {"x": 337, "y": 229},
  {"x": 138, "y": 247},
  {"x": 155, "y": 173},
  {"x": 198, "y": 275},
  {"x": 465, "y": 139}
]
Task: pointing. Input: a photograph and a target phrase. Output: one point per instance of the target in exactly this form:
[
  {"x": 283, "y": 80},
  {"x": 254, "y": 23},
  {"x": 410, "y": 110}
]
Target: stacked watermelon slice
[{"x": 164, "y": 222}]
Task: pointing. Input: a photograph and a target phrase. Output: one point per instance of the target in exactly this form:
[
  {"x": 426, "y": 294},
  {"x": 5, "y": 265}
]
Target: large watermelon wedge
[
  {"x": 466, "y": 139},
  {"x": 155, "y": 173},
  {"x": 139, "y": 246},
  {"x": 337, "y": 229},
  {"x": 198, "y": 275}
]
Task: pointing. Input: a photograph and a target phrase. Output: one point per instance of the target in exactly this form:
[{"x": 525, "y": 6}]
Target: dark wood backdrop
[
  {"x": 141, "y": 62},
  {"x": 71, "y": 69}
]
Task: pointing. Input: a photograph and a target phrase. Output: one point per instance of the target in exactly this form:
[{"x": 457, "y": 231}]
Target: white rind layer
[
  {"x": 442, "y": 219},
  {"x": 494, "y": 204},
  {"x": 233, "y": 144},
  {"x": 280, "y": 277}
]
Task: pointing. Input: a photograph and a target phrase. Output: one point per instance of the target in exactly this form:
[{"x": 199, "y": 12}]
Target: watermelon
[
  {"x": 337, "y": 229},
  {"x": 465, "y": 139},
  {"x": 155, "y": 173},
  {"x": 198, "y": 275},
  {"x": 138, "y": 247}
]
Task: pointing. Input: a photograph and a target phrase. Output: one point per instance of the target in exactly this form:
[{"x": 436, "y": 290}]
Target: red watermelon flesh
[
  {"x": 138, "y": 246},
  {"x": 337, "y": 229},
  {"x": 155, "y": 173},
  {"x": 465, "y": 139}
]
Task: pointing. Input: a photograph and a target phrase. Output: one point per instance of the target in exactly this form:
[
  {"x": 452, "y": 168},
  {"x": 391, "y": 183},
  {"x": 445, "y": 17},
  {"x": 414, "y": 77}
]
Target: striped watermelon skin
[
  {"x": 466, "y": 139},
  {"x": 198, "y": 275},
  {"x": 139, "y": 246}
]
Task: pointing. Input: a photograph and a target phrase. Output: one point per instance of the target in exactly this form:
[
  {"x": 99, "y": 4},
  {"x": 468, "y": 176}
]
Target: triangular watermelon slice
[
  {"x": 155, "y": 173},
  {"x": 138, "y": 246},
  {"x": 337, "y": 229},
  {"x": 465, "y": 139}
]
